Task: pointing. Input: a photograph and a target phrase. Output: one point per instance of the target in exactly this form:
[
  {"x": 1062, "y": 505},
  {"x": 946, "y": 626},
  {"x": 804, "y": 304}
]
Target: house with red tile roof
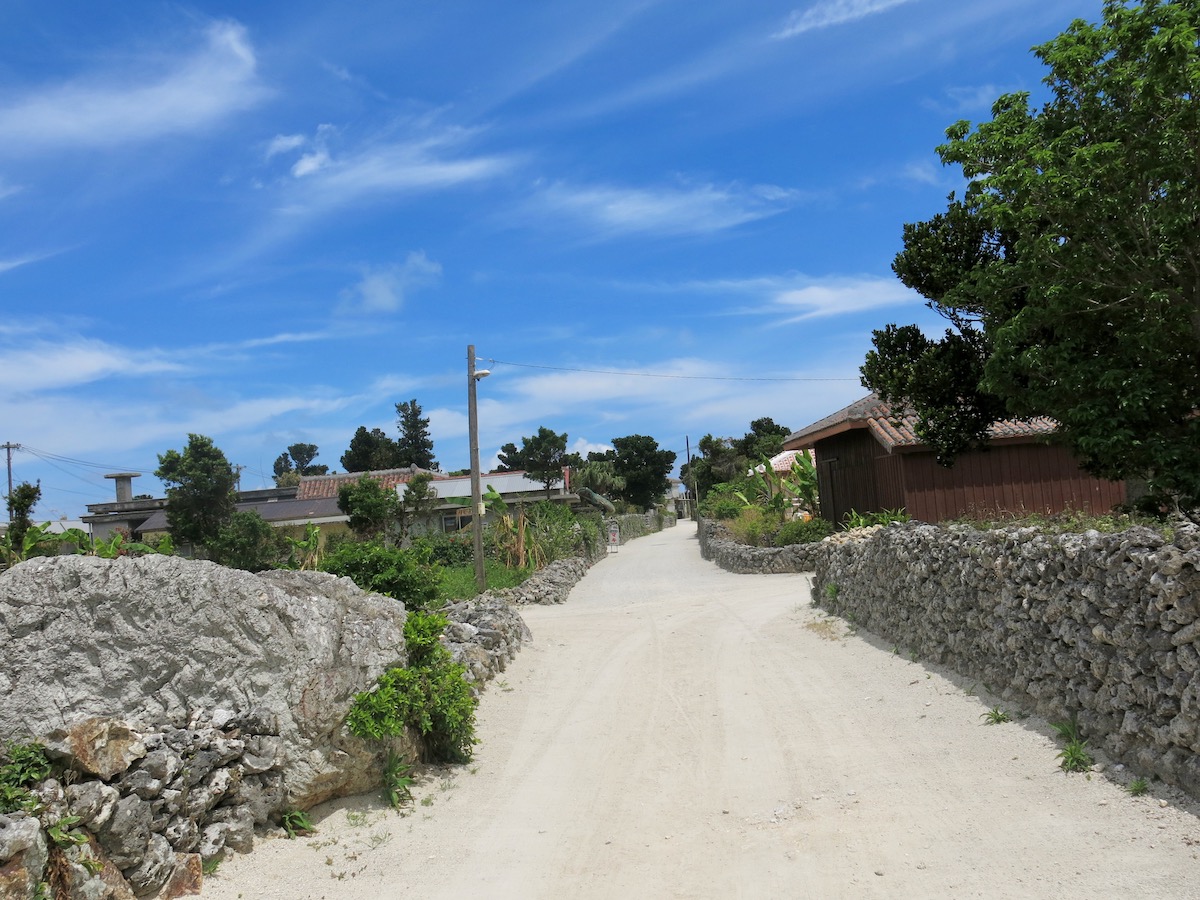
[{"x": 869, "y": 458}]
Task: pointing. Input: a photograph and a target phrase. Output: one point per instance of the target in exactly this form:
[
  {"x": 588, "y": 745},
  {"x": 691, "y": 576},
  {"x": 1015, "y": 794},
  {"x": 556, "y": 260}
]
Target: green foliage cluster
[
  {"x": 855, "y": 519},
  {"x": 1068, "y": 267},
  {"x": 20, "y": 501},
  {"x": 1074, "y": 756},
  {"x": 542, "y": 457},
  {"x": 458, "y": 582},
  {"x": 296, "y": 822},
  {"x": 430, "y": 694},
  {"x": 800, "y": 531},
  {"x": 295, "y": 462},
  {"x": 200, "y": 490},
  {"x": 448, "y": 549},
  {"x": 410, "y": 576},
  {"x": 248, "y": 541},
  {"x": 723, "y": 501},
  {"x": 725, "y": 460},
  {"x": 22, "y": 766},
  {"x": 553, "y": 531}
]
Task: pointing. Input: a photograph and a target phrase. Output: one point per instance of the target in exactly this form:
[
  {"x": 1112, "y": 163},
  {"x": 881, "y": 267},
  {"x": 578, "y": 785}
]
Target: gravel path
[{"x": 677, "y": 731}]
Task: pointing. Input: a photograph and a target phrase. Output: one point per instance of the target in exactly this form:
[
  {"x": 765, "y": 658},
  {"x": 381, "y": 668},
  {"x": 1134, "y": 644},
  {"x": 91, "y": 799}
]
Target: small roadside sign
[{"x": 614, "y": 537}]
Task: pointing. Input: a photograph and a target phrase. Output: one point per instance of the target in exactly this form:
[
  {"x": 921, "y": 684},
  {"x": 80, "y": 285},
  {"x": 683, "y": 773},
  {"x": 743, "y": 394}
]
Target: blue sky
[{"x": 270, "y": 222}]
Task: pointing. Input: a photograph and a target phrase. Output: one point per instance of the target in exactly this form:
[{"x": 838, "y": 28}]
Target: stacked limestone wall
[
  {"x": 717, "y": 545},
  {"x": 1104, "y": 628}
]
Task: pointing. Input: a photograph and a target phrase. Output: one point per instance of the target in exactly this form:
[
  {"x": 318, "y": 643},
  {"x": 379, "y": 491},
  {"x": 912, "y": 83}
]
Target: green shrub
[
  {"x": 800, "y": 532},
  {"x": 448, "y": 549},
  {"x": 722, "y": 502},
  {"x": 553, "y": 530},
  {"x": 21, "y": 767},
  {"x": 458, "y": 582},
  {"x": 855, "y": 519},
  {"x": 429, "y": 694},
  {"x": 248, "y": 541},
  {"x": 409, "y": 576},
  {"x": 753, "y": 526}
]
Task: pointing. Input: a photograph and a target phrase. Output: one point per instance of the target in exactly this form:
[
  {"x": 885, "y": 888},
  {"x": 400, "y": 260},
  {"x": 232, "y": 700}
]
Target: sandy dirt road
[{"x": 678, "y": 731}]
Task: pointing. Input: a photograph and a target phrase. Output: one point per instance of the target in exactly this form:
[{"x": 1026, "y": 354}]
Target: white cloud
[
  {"x": 583, "y": 447},
  {"x": 327, "y": 176},
  {"x": 384, "y": 289},
  {"x": 795, "y": 296},
  {"x": 827, "y": 13},
  {"x": 840, "y": 296},
  {"x": 199, "y": 89},
  {"x": 42, "y": 365},
  {"x": 285, "y": 143},
  {"x": 678, "y": 210},
  {"x": 7, "y": 264}
]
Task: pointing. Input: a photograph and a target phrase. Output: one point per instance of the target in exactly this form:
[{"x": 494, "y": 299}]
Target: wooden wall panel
[{"x": 1015, "y": 478}]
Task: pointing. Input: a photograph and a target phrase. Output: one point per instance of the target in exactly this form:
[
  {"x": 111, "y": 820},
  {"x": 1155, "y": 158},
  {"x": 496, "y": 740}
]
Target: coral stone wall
[
  {"x": 1101, "y": 627},
  {"x": 716, "y": 545}
]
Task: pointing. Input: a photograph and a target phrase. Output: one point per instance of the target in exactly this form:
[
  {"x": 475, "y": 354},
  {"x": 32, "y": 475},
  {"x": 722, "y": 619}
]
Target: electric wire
[{"x": 503, "y": 362}]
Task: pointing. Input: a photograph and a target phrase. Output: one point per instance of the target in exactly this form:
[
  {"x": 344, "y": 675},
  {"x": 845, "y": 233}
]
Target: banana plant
[{"x": 305, "y": 552}]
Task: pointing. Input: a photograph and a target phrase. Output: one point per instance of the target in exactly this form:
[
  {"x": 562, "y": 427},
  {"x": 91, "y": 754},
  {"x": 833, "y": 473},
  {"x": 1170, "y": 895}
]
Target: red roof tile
[
  {"x": 894, "y": 430},
  {"x": 315, "y": 487}
]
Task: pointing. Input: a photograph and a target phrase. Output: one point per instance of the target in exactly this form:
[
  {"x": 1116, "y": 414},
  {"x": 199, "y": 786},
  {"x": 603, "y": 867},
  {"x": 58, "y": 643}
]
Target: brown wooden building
[{"x": 869, "y": 459}]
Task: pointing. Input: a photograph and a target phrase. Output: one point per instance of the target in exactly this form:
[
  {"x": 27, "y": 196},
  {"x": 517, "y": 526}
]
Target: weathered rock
[
  {"x": 127, "y": 832},
  {"x": 101, "y": 746},
  {"x": 23, "y": 854},
  {"x": 153, "y": 639},
  {"x": 93, "y": 801},
  {"x": 187, "y": 879},
  {"x": 156, "y": 866}
]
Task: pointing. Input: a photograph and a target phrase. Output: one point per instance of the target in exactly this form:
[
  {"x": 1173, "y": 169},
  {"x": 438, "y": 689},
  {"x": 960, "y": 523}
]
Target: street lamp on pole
[{"x": 473, "y": 375}]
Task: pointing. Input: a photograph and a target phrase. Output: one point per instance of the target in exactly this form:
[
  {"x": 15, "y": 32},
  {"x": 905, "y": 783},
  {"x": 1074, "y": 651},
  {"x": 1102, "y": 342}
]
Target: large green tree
[
  {"x": 295, "y": 462},
  {"x": 200, "y": 491},
  {"x": 371, "y": 451},
  {"x": 21, "y": 501},
  {"x": 373, "y": 510},
  {"x": 1070, "y": 268},
  {"x": 644, "y": 467},
  {"x": 415, "y": 446},
  {"x": 542, "y": 457}
]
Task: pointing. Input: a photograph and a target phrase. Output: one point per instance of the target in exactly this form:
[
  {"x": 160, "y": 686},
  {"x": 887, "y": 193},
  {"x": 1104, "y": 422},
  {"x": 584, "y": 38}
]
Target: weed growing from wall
[{"x": 429, "y": 694}]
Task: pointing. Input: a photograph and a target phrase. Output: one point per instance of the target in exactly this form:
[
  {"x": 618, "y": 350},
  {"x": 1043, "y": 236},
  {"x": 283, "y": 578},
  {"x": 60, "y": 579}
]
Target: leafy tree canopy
[
  {"x": 372, "y": 509},
  {"x": 371, "y": 451},
  {"x": 21, "y": 501},
  {"x": 296, "y": 461},
  {"x": 200, "y": 490},
  {"x": 725, "y": 460},
  {"x": 1069, "y": 269},
  {"x": 542, "y": 457},
  {"x": 415, "y": 447},
  {"x": 644, "y": 467}
]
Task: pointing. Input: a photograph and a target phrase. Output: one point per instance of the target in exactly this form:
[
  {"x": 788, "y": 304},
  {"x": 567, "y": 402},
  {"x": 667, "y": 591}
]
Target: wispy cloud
[
  {"x": 44, "y": 365},
  {"x": 796, "y": 297},
  {"x": 840, "y": 296},
  {"x": 384, "y": 289},
  {"x": 328, "y": 174},
  {"x": 673, "y": 210},
  {"x": 200, "y": 88},
  {"x": 827, "y": 13},
  {"x": 968, "y": 99},
  {"x": 16, "y": 262}
]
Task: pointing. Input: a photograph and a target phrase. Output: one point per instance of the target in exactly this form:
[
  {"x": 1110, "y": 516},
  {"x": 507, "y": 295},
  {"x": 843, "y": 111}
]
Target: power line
[{"x": 661, "y": 374}]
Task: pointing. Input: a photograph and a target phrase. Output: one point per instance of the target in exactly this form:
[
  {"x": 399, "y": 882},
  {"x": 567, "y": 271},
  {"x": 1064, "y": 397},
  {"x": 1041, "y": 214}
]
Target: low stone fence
[
  {"x": 1102, "y": 628},
  {"x": 716, "y": 545}
]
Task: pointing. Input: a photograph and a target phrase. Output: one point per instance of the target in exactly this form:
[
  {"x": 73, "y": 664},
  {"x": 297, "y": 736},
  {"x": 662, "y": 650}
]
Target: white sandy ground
[{"x": 674, "y": 730}]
